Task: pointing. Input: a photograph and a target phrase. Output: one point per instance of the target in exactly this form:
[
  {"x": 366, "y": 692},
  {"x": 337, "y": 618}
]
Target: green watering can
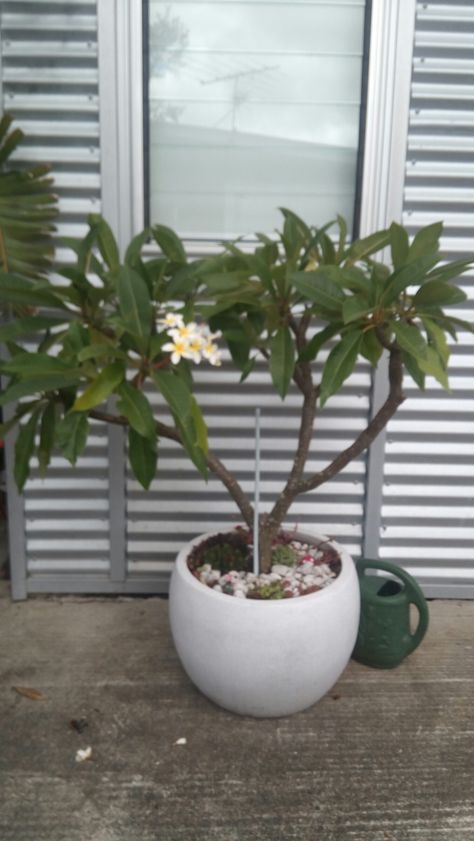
[{"x": 385, "y": 637}]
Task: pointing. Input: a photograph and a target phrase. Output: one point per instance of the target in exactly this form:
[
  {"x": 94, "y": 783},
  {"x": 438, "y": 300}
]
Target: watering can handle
[{"x": 413, "y": 591}]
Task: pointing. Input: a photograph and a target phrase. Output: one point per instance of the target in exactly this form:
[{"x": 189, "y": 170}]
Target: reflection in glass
[{"x": 253, "y": 105}]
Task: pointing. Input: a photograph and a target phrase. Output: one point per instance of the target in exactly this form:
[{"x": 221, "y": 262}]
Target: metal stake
[{"x": 256, "y": 502}]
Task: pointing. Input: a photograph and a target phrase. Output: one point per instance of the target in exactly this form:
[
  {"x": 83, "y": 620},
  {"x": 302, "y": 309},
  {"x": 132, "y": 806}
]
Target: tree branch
[
  {"x": 215, "y": 465},
  {"x": 364, "y": 440}
]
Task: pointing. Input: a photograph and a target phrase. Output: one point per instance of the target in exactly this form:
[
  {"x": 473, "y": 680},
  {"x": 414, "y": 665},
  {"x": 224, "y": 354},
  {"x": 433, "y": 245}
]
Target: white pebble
[
  {"x": 281, "y": 569},
  {"x": 82, "y": 755}
]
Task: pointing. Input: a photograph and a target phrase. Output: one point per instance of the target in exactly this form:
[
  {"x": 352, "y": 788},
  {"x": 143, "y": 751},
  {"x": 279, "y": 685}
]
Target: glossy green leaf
[
  {"x": 320, "y": 288},
  {"x": 450, "y": 270},
  {"x": 143, "y": 457},
  {"x": 134, "y": 405},
  {"x": 135, "y": 304},
  {"x": 340, "y": 364},
  {"x": 16, "y": 290},
  {"x": 410, "y": 275},
  {"x": 315, "y": 344},
  {"x": 100, "y": 388},
  {"x": 342, "y": 237},
  {"x": 106, "y": 241},
  {"x": 354, "y": 308},
  {"x": 437, "y": 338},
  {"x": 71, "y": 435},
  {"x": 432, "y": 365},
  {"x": 47, "y": 435},
  {"x": 414, "y": 369},
  {"x": 175, "y": 392},
  {"x": 435, "y": 293},
  {"x": 31, "y": 365},
  {"x": 399, "y": 245},
  {"x": 299, "y": 225},
  {"x": 169, "y": 243},
  {"x": 371, "y": 347},
  {"x": 24, "y": 449},
  {"x": 363, "y": 248},
  {"x": 282, "y": 360},
  {"x": 426, "y": 241},
  {"x": 409, "y": 338},
  {"x": 200, "y": 426},
  {"x": 37, "y": 385},
  {"x": 28, "y": 326}
]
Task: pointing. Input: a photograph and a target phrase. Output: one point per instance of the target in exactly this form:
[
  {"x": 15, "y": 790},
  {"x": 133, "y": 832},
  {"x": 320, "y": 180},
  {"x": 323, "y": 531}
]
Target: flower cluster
[{"x": 190, "y": 341}]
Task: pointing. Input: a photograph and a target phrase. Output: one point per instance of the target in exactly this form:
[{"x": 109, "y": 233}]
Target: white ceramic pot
[{"x": 264, "y": 658}]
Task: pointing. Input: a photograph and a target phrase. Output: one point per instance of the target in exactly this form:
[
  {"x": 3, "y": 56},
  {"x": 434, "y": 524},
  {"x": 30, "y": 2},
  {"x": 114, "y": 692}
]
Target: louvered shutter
[
  {"x": 428, "y": 492},
  {"x": 50, "y": 86}
]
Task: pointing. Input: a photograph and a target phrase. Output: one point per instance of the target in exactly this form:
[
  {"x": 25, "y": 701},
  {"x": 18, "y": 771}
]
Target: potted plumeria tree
[{"x": 264, "y": 641}]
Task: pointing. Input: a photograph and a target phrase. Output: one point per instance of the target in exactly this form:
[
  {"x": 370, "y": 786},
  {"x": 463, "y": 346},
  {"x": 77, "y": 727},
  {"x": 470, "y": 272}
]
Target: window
[{"x": 252, "y": 105}]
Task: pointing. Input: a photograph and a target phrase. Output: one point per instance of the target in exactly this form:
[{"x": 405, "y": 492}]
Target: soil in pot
[{"x": 224, "y": 562}]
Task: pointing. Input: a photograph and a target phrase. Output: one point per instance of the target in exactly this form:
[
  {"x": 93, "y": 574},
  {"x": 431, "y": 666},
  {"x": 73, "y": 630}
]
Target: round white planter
[{"x": 264, "y": 658}]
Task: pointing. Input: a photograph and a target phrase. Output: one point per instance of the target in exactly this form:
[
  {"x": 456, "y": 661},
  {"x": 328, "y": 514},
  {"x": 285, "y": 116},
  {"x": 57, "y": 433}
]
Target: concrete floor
[{"x": 386, "y": 756}]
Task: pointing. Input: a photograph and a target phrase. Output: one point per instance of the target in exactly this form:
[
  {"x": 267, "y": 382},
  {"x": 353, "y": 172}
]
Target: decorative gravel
[{"x": 313, "y": 567}]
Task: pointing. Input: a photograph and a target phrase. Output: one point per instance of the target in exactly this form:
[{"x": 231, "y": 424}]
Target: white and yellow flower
[
  {"x": 178, "y": 350},
  {"x": 211, "y": 352},
  {"x": 172, "y": 319}
]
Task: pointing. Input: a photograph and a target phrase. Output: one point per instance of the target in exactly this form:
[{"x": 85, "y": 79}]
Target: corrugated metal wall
[
  {"x": 72, "y": 534},
  {"x": 428, "y": 493}
]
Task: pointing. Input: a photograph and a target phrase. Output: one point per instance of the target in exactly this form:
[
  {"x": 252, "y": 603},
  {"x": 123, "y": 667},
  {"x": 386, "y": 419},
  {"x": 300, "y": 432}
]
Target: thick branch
[
  {"x": 214, "y": 464},
  {"x": 365, "y": 439}
]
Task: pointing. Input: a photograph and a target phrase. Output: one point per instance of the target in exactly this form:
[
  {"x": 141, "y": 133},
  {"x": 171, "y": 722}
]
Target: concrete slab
[{"x": 387, "y": 756}]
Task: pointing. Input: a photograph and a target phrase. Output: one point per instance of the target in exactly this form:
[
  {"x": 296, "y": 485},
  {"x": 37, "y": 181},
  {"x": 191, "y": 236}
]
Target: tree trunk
[{"x": 268, "y": 530}]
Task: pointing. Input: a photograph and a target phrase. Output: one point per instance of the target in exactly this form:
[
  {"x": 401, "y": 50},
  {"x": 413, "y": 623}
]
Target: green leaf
[
  {"x": 100, "y": 388},
  {"x": 18, "y": 290},
  {"x": 71, "y": 435},
  {"x": 106, "y": 241},
  {"x": 181, "y": 403},
  {"x": 175, "y": 392},
  {"x": 414, "y": 369},
  {"x": 371, "y": 347},
  {"x": 298, "y": 224},
  {"x": 426, "y": 241},
  {"x": 399, "y": 245},
  {"x": 450, "y": 270},
  {"x": 135, "y": 407},
  {"x": 170, "y": 243},
  {"x": 135, "y": 304},
  {"x": 435, "y": 293},
  {"x": 410, "y": 275},
  {"x": 200, "y": 426},
  {"x": 363, "y": 248},
  {"x": 47, "y": 433},
  {"x": 315, "y": 344},
  {"x": 437, "y": 338},
  {"x": 320, "y": 287},
  {"x": 143, "y": 457},
  {"x": 354, "y": 308},
  {"x": 432, "y": 365},
  {"x": 340, "y": 364},
  {"x": 37, "y": 385},
  {"x": 98, "y": 351},
  {"x": 342, "y": 237},
  {"x": 28, "y": 326},
  {"x": 410, "y": 339},
  {"x": 136, "y": 244},
  {"x": 282, "y": 360},
  {"x": 24, "y": 449},
  {"x": 31, "y": 365},
  {"x": 225, "y": 281}
]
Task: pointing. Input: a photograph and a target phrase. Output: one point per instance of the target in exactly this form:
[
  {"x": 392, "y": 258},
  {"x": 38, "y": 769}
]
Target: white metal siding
[{"x": 428, "y": 493}]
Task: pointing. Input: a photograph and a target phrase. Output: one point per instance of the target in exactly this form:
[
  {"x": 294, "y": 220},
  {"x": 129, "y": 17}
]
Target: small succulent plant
[
  {"x": 284, "y": 554},
  {"x": 224, "y": 552}
]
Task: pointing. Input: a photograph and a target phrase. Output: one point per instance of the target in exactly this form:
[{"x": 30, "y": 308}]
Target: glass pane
[{"x": 253, "y": 105}]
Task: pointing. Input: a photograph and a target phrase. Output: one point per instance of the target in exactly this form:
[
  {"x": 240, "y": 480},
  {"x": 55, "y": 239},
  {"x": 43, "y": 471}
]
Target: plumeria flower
[
  {"x": 178, "y": 349},
  {"x": 185, "y": 331},
  {"x": 195, "y": 347},
  {"x": 211, "y": 352},
  {"x": 172, "y": 319}
]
